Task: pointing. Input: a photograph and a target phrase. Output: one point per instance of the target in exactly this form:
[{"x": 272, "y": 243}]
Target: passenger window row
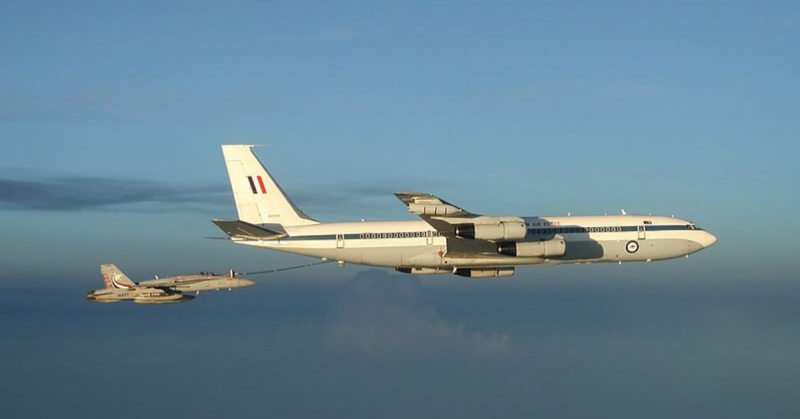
[
  {"x": 567, "y": 230},
  {"x": 398, "y": 235}
]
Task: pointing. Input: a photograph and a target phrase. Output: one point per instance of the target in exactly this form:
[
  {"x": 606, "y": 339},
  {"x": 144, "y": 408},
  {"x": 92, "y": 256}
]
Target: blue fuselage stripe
[{"x": 544, "y": 231}]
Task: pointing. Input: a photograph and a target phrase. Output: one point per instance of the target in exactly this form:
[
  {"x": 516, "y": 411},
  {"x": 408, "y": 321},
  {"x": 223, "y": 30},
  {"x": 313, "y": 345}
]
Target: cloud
[
  {"x": 83, "y": 193},
  {"x": 379, "y": 312},
  {"x": 34, "y": 192}
]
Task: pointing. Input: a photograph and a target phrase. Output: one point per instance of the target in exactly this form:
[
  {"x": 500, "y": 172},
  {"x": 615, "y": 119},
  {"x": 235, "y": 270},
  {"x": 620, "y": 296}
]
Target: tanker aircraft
[
  {"x": 159, "y": 290},
  {"x": 446, "y": 238}
]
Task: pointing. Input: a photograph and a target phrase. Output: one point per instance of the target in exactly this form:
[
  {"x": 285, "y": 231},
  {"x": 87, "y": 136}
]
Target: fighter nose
[
  {"x": 90, "y": 295},
  {"x": 247, "y": 282}
]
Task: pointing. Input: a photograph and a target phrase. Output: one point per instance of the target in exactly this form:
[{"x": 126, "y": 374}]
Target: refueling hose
[{"x": 289, "y": 268}]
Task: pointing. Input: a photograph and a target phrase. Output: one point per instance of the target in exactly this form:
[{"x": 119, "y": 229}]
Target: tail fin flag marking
[
  {"x": 259, "y": 199},
  {"x": 261, "y": 183}
]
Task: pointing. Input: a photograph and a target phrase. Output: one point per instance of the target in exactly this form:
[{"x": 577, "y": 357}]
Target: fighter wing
[
  {"x": 437, "y": 212},
  {"x": 158, "y": 283},
  {"x": 175, "y": 281}
]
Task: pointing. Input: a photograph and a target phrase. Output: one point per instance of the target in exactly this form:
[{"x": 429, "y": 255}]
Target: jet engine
[
  {"x": 541, "y": 249},
  {"x": 504, "y": 230}
]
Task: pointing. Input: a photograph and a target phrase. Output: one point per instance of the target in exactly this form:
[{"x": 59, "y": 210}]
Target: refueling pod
[
  {"x": 542, "y": 249},
  {"x": 504, "y": 230},
  {"x": 483, "y": 272}
]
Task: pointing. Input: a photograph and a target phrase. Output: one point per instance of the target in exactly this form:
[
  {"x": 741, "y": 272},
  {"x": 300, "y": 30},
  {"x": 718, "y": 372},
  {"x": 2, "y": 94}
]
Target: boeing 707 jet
[{"x": 446, "y": 238}]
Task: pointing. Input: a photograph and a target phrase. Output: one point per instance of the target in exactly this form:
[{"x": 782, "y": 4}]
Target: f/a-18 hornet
[
  {"x": 160, "y": 290},
  {"x": 447, "y": 238}
]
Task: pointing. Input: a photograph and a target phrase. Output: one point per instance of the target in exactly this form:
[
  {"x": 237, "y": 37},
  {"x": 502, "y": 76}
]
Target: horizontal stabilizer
[{"x": 238, "y": 229}]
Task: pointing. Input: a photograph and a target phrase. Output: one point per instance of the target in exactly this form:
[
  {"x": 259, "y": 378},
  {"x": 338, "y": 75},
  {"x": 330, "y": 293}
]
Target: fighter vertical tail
[
  {"x": 114, "y": 278},
  {"x": 259, "y": 199}
]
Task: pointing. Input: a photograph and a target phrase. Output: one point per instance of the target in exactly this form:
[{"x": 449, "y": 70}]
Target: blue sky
[
  {"x": 529, "y": 108},
  {"x": 112, "y": 113}
]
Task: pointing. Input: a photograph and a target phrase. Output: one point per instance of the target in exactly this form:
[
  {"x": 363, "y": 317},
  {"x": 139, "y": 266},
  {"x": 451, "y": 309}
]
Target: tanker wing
[{"x": 437, "y": 212}]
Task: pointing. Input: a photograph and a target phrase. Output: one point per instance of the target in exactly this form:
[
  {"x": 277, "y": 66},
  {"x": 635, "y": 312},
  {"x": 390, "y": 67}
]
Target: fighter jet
[{"x": 160, "y": 290}]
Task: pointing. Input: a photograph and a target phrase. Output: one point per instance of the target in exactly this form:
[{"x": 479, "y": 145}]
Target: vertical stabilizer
[
  {"x": 259, "y": 199},
  {"x": 114, "y": 278}
]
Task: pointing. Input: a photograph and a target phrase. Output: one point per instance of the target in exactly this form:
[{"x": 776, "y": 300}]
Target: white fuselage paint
[{"x": 415, "y": 244}]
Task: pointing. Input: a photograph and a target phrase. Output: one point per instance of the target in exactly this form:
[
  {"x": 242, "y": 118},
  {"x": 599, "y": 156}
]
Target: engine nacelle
[
  {"x": 504, "y": 230},
  {"x": 433, "y": 209},
  {"x": 541, "y": 249},
  {"x": 483, "y": 272}
]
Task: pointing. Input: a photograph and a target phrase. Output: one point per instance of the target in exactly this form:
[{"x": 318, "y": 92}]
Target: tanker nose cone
[{"x": 707, "y": 239}]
